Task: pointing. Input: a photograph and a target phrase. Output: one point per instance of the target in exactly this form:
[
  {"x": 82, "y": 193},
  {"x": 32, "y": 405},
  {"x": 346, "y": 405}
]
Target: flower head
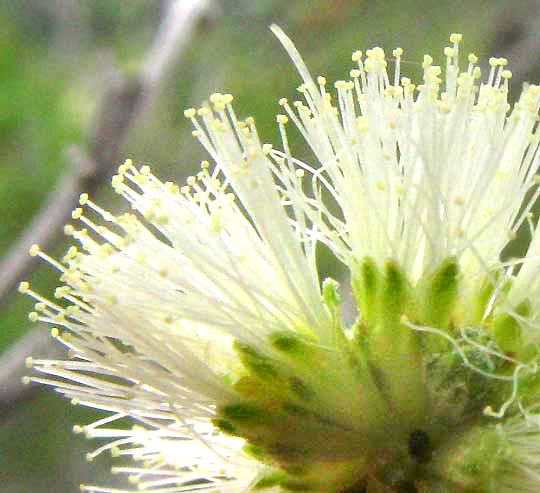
[{"x": 202, "y": 317}]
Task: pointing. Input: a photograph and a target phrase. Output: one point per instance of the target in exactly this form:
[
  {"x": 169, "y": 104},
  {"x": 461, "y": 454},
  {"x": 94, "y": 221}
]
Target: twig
[
  {"x": 13, "y": 369},
  {"x": 123, "y": 100}
]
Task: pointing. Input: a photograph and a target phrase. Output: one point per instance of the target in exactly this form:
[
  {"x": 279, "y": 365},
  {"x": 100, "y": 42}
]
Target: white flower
[{"x": 201, "y": 316}]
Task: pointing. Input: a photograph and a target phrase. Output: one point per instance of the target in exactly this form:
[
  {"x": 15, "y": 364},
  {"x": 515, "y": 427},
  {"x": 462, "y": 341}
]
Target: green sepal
[
  {"x": 291, "y": 344},
  {"x": 366, "y": 281},
  {"x": 440, "y": 294},
  {"x": 257, "y": 364},
  {"x": 395, "y": 294},
  {"x": 297, "y": 469},
  {"x": 297, "y": 485},
  {"x": 256, "y": 452},
  {"x": 300, "y": 389},
  {"x": 255, "y": 389},
  {"x": 482, "y": 298},
  {"x": 393, "y": 348},
  {"x": 243, "y": 412},
  {"x": 268, "y": 479},
  {"x": 331, "y": 297},
  {"x": 284, "y": 452},
  {"x": 507, "y": 329},
  {"x": 397, "y": 361},
  {"x": 224, "y": 426},
  {"x": 294, "y": 410}
]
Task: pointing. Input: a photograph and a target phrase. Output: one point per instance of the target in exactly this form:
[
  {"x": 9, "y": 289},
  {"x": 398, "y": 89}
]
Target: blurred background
[{"x": 86, "y": 84}]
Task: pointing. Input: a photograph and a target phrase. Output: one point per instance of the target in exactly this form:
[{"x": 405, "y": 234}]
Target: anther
[
  {"x": 23, "y": 287},
  {"x": 357, "y": 56},
  {"x": 34, "y": 250}
]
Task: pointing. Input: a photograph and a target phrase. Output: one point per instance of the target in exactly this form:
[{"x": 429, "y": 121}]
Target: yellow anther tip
[
  {"x": 357, "y": 56},
  {"x": 282, "y": 119},
  {"x": 115, "y": 451},
  {"x": 283, "y": 101},
  {"x": 23, "y": 287},
  {"x": 456, "y": 37},
  {"x": 59, "y": 292},
  {"x": 29, "y": 362},
  {"x": 34, "y": 250},
  {"x": 117, "y": 180},
  {"x": 77, "y": 213}
]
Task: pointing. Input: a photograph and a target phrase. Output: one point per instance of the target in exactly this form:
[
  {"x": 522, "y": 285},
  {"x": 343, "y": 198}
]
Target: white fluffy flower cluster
[{"x": 201, "y": 316}]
